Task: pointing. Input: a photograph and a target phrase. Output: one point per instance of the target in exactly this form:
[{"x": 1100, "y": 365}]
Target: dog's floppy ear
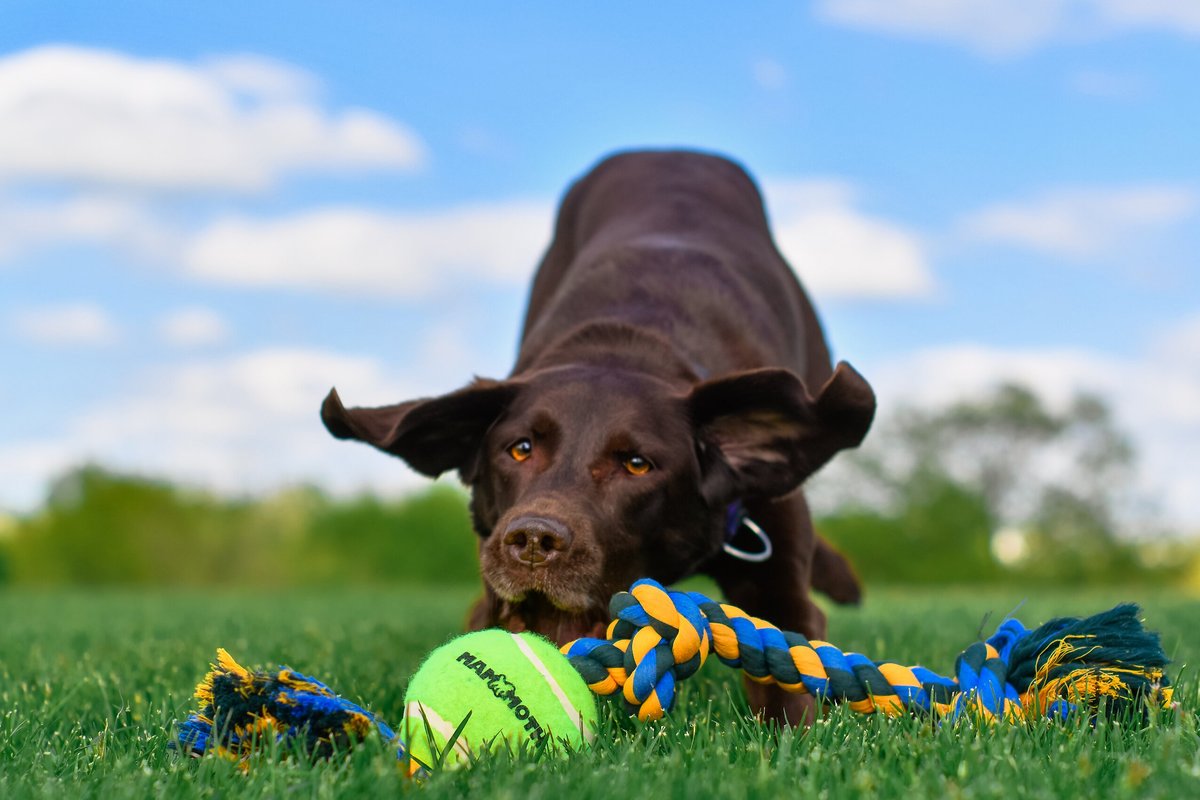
[
  {"x": 761, "y": 433},
  {"x": 433, "y": 434}
]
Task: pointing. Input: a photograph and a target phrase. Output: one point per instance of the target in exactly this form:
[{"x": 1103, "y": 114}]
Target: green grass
[{"x": 91, "y": 685}]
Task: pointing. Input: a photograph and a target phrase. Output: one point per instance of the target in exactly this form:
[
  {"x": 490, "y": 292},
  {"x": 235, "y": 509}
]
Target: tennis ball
[{"x": 516, "y": 687}]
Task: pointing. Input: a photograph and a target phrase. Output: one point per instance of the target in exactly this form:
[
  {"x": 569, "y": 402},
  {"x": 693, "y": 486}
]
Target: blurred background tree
[
  {"x": 102, "y": 528},
  {"x": 999, "y": 487}
]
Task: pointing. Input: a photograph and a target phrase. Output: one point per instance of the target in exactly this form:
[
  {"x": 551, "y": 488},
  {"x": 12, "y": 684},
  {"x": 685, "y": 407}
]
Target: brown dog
[{"x": 672, "y": 372}]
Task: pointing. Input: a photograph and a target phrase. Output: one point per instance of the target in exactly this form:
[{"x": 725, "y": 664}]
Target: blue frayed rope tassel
[{"x": 240, "y": 709}]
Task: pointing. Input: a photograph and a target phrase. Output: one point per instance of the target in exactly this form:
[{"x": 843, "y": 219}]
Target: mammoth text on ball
[{"x": 499, "y": 684}]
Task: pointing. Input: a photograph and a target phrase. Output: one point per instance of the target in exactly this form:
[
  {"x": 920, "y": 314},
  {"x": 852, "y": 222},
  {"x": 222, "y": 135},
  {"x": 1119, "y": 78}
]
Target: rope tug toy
[
  {"x": 659, "y": 637},
  {"x": 1105, "y": 663}
]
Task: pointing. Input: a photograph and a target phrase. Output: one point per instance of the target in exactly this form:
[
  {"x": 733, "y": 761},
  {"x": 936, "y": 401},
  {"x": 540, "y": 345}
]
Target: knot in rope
[{"x": 657, "y": 637}]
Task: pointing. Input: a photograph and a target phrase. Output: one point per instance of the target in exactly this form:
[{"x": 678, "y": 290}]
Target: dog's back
[{"x": 676, "y": 242}]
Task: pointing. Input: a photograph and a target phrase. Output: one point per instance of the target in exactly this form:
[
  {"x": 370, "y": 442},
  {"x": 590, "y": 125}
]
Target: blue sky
[{"x": 209, "y": 214}]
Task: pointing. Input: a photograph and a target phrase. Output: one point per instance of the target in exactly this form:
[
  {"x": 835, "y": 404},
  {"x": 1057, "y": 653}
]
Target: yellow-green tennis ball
[{"x": 516, "y": 687}]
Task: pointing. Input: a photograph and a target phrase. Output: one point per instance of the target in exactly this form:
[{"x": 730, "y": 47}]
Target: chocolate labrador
[{"x": 672, "y": 391}]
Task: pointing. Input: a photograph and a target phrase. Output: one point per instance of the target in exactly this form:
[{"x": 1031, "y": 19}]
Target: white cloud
[
  {"x": 246, "y": 423},
  {"x": 1180, "y": 343},
  {"x": 1006, "y": 27},
  {"x": 1079, "y": 223},
  {"x": 839, "y": 251},
  {"x": 941, "y": 375},
  {"x": 99, "y": 116},
  {"x": 105, "y": 220},
  {"x": 193, "y": 327},
  {"x": 356, "y": 250},
  {"x": 989, "y": 26},
  {"x": 1176, "y": 15},
  {"x": 257, "y": 76},
  {"x": 72, "y": 324},
  {"x": 1155, "y": 396}
]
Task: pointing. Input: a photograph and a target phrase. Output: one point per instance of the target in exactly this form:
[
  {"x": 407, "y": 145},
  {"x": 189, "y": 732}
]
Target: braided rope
[{"x": 659, "y": 637}]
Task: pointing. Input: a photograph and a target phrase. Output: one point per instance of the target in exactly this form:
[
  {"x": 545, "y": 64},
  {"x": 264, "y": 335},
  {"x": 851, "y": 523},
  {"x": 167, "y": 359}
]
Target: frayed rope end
[{"x": 240, "y": 708}]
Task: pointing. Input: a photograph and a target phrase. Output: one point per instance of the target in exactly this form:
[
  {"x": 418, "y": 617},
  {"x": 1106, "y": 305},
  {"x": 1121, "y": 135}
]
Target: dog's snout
[{"x": 536, "y": 540}]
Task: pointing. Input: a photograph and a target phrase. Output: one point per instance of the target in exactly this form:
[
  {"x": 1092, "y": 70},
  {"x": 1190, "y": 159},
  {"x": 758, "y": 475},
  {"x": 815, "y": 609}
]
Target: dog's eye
[
  {"x": 522, "y": 450},
  {"x": 636, "y": 465}
]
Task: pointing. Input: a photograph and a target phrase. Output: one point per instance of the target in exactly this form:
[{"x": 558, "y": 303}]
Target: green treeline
[
  {"x": 100, "y": 528},
  {"x": 997, "y": 490}
]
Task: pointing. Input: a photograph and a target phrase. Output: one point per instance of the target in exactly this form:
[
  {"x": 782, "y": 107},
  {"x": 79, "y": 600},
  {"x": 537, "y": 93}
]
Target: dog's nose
[{"x": 536, "y": 540}]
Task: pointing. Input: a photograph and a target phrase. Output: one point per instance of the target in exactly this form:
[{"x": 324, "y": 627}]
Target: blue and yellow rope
[{"x": 659, "y": 637}]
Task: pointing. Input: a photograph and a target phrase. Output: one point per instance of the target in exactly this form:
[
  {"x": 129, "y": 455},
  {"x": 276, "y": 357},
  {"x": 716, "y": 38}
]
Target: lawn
[{"x": 91, "y": 684}]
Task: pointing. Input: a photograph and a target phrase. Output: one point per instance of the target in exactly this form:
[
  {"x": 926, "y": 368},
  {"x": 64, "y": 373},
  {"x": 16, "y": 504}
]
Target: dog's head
[{"x": 584, "y": 479}]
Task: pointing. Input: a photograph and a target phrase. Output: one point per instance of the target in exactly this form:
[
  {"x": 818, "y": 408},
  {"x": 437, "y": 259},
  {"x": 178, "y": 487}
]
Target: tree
[
  {"x": 1059, "y": 478},
  {"x": 102, "y": 528}
]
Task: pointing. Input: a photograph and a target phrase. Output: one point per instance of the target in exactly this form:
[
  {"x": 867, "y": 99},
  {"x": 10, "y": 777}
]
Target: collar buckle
[{"x": 736, "y": 520}]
